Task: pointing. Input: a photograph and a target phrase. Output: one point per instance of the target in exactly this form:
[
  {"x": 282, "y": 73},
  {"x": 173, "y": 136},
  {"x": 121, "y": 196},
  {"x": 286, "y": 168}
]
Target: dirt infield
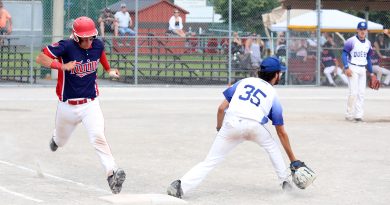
[{"x": 157, "y": 134}]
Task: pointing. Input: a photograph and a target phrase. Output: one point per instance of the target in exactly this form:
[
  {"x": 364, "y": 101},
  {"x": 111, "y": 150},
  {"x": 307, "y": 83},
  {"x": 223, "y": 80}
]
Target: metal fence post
[
  {"x": 230, "y": 43},
  {"x": 32, "y": 42},
  {"x": 287, "y": 43},
  {"x": 136, "y": 44},
  {"x": 318, "y": 54}
]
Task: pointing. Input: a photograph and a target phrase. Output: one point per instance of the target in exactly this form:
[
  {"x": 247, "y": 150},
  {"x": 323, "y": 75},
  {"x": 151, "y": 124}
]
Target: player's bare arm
[
  {"x": 221, "y": 113},
  {"x": 285, "y": 141}
]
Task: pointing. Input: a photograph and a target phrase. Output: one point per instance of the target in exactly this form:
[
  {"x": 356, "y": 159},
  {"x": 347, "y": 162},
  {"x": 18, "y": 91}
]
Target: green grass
[{"x": 197, "y": 66}]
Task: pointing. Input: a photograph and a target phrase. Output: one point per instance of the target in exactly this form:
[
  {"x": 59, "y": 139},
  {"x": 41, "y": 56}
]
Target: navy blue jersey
[
  {"x": 81, "y": 81},
  {"x": 374, "y": 58},
  {"x": 327, "y": 58}
]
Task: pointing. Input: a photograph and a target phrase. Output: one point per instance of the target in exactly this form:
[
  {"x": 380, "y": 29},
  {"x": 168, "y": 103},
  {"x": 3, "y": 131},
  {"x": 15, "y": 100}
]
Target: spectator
[
  {"x": 331, "y": 65},
  {"x": 329, "y": 39},
  {"x": 380, "y": 46},
  {"x": 176, "y": 24},
  {"x": 255, "y": 46},
  {"x": 124, "y": 21},
  {"x": 108, "y": 22},
  {"x": 378, "y": 70},
  {"x": 5, "y": 22},
  {"x": 236, "y": 44},
  {"x": 300, "y": 48},
  {"x": 280, "y": 50}
]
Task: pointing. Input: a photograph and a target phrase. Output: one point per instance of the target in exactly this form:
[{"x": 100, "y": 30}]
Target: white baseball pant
[
  {"x": 234, "y": 131},
  {"x": 357, "y": 87},
  {"x": 382, "y": 71},
  {"x": 69, "y": 116},
  {"x": 328, "y": 73}
]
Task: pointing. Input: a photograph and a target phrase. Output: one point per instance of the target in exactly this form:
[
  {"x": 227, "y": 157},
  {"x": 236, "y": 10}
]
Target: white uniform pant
[
  {"x": 328, "y": 73},
  {"x": 382, "y": 71},
  {"x": 357, "y": 87},
  {"x": 69, "y": 116},
  {"x": 234, "y": 131}
]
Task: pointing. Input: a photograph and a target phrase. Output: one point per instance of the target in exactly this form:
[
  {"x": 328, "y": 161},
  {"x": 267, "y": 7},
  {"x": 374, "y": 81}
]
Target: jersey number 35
[{"x": 252, "y": 94}]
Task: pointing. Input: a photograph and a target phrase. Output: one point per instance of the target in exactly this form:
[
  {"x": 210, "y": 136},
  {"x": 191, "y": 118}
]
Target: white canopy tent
[{"x": 331, "y": 21}]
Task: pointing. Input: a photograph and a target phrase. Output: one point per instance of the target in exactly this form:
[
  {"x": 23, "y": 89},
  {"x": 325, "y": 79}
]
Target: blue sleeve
[
  {"x": 369, "y": 63},
  {"x": 348, "y": 46},
  {"x": 57, "y": 49},
  {"x": 276, "y": 113},
  {"x": 228, "y": 93},
  {"x": 344, "y": 57}
]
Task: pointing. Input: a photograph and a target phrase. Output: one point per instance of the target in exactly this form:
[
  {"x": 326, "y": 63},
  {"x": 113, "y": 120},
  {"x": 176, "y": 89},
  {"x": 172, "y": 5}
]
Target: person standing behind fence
[
  {"x": 255, "y": 46},
  {"x": 107, "y": 22},
  {"x": 124, "y": 21},
  {"x": 331, "y": 65},
  {"x": 356, "y": 57},
  {"x": 5, "y": 18},
  {"x": 236, "y": 44},
  {"x": 77, "y": 92},
  {"x": 176, "y": 24}
]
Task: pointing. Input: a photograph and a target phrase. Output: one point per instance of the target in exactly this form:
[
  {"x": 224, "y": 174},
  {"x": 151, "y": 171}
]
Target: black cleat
[
  {"x": 116, "y": 180},
  {"x": 53, "y": 145},
  {"x": 175, "y": 189},
  {"x": 286, "y": 186},
  {"x": 358, "y": 120}
]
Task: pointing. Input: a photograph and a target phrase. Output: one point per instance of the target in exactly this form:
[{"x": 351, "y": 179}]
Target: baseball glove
[
  {"x": 302, "y": 176},
  {"x": 374, "y": 83}
]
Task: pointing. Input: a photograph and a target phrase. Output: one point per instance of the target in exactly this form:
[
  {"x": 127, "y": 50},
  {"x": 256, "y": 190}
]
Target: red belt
[{"x": 80, "y": 102}]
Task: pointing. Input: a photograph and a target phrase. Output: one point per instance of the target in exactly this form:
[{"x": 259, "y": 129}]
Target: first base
[{"x": 143, "y": 199}]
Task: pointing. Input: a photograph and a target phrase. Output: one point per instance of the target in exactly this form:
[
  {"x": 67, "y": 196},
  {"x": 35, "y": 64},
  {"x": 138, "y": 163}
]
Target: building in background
[{"x": 153, "y": 15}]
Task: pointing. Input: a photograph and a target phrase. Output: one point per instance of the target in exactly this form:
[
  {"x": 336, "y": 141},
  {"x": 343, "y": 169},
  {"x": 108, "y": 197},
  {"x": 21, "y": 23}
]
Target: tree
[{"x": 246, "y": 14}]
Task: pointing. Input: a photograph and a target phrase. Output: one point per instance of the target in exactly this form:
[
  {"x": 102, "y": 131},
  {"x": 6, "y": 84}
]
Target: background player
[
  {"x": 378, "y": 70},
  {"x": 77, "y": 91},
  {"x": 331, "y": 65},
  {"x": 356, "y": 56},
  {"x": 249, "y": 104}
]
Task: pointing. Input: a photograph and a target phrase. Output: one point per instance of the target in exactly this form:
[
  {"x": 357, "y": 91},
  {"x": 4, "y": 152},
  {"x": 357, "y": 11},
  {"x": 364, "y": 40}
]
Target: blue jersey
[
  {"x": 81, "y": 81},
  {"x": 256, "y": 99}
]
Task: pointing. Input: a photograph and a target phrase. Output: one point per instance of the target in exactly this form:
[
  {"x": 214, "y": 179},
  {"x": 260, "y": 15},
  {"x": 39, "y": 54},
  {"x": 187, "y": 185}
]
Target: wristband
[{"x": 56, "y": 65}]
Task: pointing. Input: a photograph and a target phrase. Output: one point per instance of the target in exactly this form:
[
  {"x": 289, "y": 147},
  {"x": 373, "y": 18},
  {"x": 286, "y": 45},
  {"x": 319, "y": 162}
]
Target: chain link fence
[{"x": 222, "y": 41}]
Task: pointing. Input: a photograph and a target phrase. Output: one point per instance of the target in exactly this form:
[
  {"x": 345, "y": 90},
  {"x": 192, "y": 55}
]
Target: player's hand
[
  {"x": 114, "y": 73},
  {"x": 348, "y": 72},
  {"x": 69, "y": 66},
  {"x": 385, "y": 31}
]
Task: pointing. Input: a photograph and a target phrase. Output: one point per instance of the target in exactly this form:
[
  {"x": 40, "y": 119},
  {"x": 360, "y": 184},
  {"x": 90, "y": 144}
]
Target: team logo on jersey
[
  {"x": 55, "y": 44},
  {"x": 82, "y": 69}
]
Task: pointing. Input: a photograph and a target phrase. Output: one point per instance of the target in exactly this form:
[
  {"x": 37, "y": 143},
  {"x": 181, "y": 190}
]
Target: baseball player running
[
  {"x": 356, "y": 57},
  {"x": 249, "y": 104},
  {"x": 77, "y": 91}
]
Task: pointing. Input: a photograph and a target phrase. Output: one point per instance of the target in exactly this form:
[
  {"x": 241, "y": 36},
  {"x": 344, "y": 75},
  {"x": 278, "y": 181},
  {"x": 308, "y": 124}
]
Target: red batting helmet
[{"x": 83, "y": 27}]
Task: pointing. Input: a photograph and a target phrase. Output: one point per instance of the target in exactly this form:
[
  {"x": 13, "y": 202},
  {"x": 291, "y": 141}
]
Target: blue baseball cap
[
  {"x": 362, "y": 25},
  {"x": 272, "y": 64}
]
